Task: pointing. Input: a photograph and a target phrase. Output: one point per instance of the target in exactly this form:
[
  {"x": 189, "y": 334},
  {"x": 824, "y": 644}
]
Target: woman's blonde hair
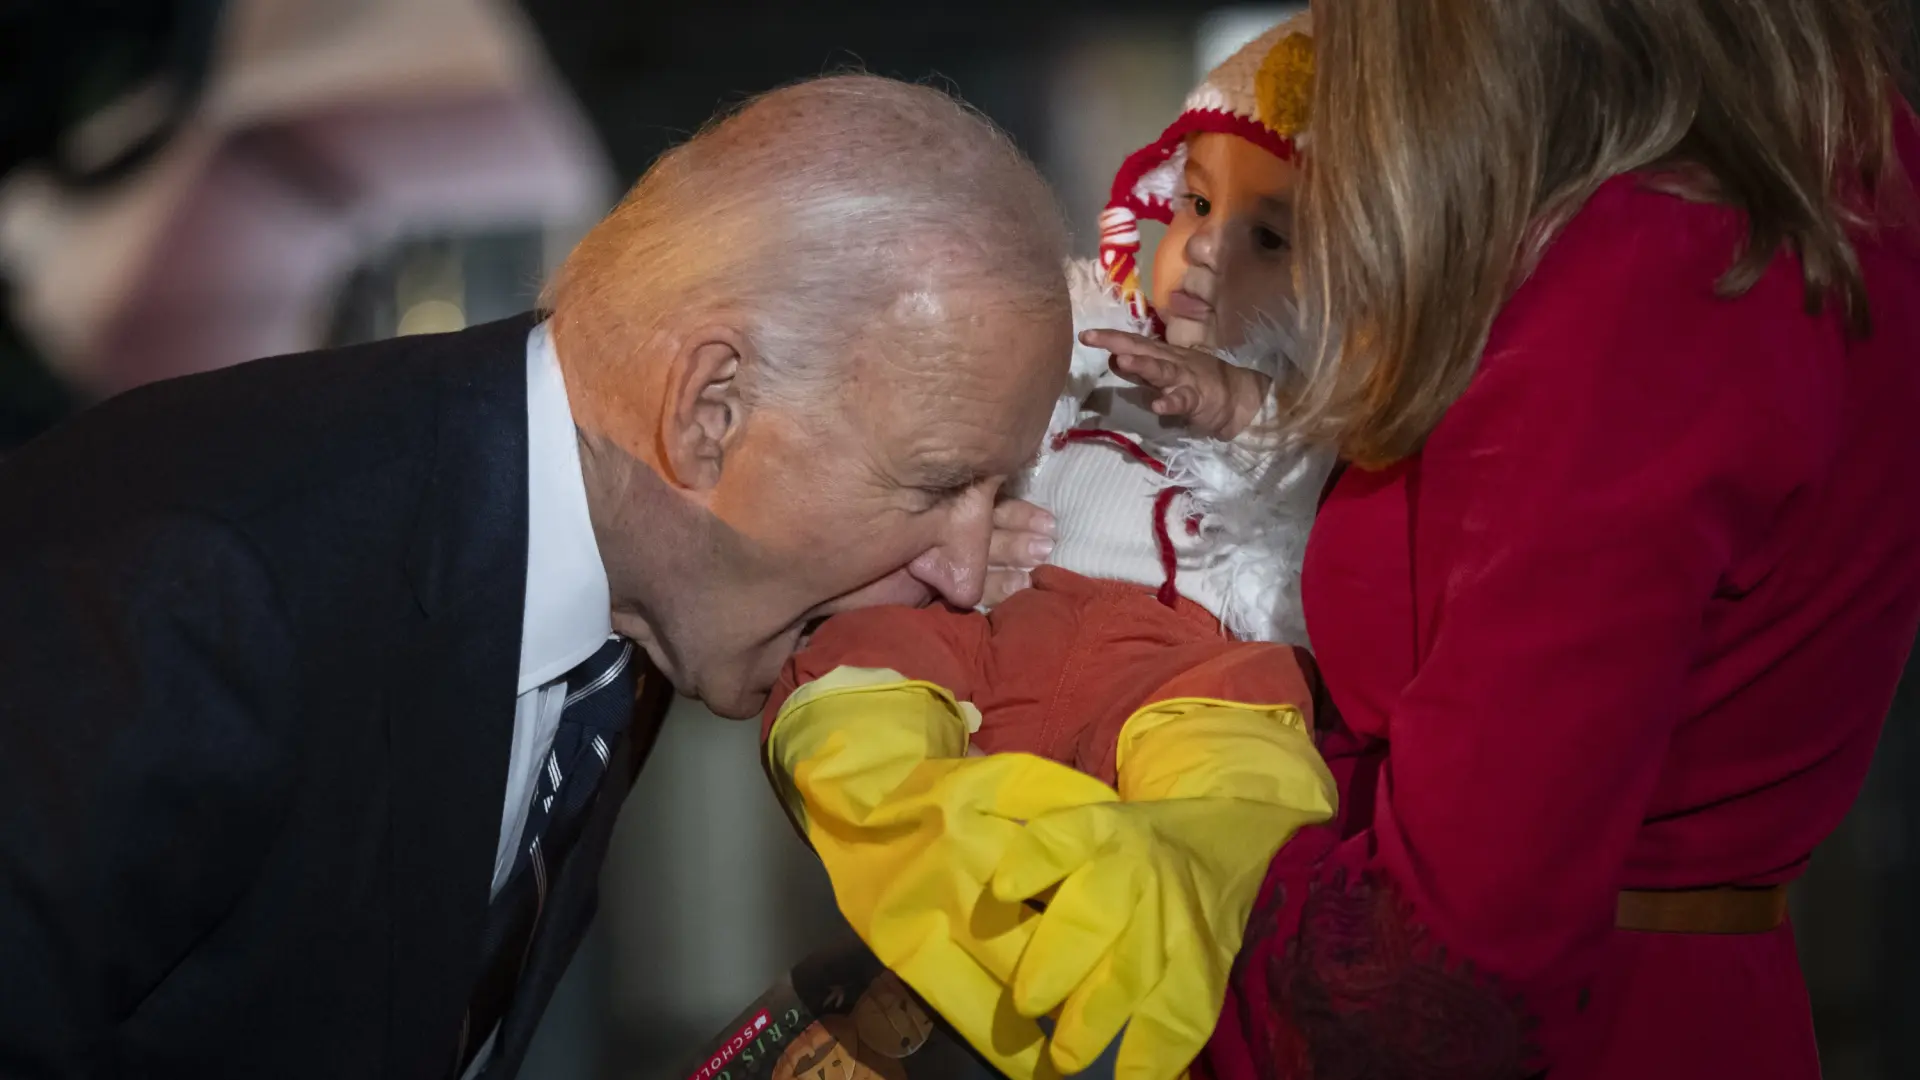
[{"x": 1452, "y": 138}]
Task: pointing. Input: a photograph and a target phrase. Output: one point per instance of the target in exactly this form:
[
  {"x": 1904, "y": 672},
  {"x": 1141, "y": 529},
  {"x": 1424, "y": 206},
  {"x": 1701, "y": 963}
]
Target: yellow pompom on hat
[{"x": 1262, "y": 93}]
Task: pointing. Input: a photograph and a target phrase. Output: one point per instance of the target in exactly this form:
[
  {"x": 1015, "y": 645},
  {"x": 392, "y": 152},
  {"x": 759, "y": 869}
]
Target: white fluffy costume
[
  {"x": 1231, "y": 517},
  {"x": 1223, "y": 524}
]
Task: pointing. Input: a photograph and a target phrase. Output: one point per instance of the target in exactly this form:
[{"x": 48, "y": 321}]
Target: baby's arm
[
  {"x": 954, "y": 651},
  {"x": 868, "y": 754},
  {"x": 930, "y": 644},
  {"x": 901, "y": 676},
  {"x": 1210, "y": 790},
  {"x": 1247, "y": 709}
]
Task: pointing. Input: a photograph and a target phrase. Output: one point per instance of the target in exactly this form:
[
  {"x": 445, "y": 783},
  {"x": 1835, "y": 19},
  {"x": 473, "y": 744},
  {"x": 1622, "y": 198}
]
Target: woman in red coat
[{"x": 1622, "y": 311}]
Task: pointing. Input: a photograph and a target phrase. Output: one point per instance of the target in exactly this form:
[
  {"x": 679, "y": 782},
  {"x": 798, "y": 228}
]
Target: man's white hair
[{"x": 843, "y": 210}]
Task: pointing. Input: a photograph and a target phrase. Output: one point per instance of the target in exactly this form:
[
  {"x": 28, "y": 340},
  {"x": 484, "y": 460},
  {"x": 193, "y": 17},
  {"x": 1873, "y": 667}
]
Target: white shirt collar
[{"x": 567, "y": 611}]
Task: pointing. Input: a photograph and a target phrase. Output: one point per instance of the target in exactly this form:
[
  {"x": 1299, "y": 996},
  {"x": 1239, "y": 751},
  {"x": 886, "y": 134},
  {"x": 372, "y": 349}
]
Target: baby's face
[{"x": 1228, "y": 255}]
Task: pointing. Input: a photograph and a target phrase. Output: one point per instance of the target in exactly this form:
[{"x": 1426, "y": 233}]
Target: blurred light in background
[
  {"x": 1223, "y": 30},
  {"x": 330, "y": 131}
]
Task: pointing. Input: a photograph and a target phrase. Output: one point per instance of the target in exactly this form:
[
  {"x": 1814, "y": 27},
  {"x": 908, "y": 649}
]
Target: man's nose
[{"x": 957, "y": 567}]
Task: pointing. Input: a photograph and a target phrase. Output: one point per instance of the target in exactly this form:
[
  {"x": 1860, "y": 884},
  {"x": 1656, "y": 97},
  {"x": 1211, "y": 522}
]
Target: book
[{"x": 838, "y": 1015}]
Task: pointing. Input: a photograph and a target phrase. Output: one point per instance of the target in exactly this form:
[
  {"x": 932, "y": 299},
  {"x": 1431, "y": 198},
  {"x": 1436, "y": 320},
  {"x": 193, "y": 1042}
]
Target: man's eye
[{"x": 1268, "y": 240}]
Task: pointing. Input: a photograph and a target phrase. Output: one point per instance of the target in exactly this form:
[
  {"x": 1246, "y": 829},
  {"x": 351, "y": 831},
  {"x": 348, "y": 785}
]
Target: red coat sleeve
[{"x": 1612, "y": 469}]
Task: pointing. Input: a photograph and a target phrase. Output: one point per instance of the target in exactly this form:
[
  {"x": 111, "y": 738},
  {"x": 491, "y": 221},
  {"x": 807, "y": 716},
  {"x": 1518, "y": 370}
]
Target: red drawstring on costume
[
  {"x": 1133, "y": 449},
  {"x": 1163, "y": 502},
  {"x": 1169, "y": 562}
]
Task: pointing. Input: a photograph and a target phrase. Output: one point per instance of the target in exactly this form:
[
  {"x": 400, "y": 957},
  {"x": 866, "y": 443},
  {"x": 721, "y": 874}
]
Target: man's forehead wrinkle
[
  {"x": 896, "y": 379},
  {"x": 960, "y": 409},
  {"x": 952, "y": 437},
  {"x": 962, "y": 450},
  {"x": 956, "y": 417}
]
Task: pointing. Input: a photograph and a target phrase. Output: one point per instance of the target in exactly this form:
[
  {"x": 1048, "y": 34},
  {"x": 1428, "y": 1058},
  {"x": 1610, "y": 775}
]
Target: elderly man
[{"x": 318, "y": 675}]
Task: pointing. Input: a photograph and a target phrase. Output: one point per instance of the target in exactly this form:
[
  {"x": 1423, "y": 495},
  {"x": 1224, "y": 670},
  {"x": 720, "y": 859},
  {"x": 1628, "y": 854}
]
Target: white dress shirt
[
  {"x": 566, "y": 616},
  {"x": 567, "y": 613}
]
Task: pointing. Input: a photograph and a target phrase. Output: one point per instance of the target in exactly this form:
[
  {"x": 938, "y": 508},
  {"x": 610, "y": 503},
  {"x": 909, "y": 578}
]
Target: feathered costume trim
[{"x": 1254, "y": 498}]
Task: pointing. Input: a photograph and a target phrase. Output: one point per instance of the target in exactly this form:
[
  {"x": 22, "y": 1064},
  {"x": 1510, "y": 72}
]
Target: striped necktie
[{"x": 598, "y": 708}]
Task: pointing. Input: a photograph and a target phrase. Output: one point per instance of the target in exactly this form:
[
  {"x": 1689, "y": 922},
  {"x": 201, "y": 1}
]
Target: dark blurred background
[{"x": 190, "y": 183}]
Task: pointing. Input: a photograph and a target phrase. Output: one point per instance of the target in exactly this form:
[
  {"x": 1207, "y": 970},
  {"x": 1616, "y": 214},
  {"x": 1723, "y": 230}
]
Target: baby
[{"x": 1157, "y": 653}]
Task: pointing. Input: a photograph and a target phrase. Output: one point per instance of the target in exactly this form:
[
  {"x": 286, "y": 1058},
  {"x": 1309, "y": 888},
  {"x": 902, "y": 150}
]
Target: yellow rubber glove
[
  {"x": 871, "y": 767},
  {"x": 1155, "y": 892}
]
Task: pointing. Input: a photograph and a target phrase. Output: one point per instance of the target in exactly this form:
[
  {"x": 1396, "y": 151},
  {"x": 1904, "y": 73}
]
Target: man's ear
[{"x": 703, "y": 410}]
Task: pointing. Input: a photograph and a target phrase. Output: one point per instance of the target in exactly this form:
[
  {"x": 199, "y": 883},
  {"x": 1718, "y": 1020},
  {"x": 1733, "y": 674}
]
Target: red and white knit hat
[{"x": 1260, "y": 93}]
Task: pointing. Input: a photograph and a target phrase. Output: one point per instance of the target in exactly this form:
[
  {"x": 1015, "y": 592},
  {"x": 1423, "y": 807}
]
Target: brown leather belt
[{"x": 1729, "y": 910}]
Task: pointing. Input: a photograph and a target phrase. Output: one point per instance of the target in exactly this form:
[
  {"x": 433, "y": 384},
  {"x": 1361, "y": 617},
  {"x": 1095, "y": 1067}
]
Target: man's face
[
  {"x": 884, "y": 496},
  {"x": 1228, "y": 253}
]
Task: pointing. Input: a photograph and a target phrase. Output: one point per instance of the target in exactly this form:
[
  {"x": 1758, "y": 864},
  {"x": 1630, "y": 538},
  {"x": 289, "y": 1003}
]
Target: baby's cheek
[
  {"x": 1169, "y": 263},
  {"x": 1258, "y": 293}
]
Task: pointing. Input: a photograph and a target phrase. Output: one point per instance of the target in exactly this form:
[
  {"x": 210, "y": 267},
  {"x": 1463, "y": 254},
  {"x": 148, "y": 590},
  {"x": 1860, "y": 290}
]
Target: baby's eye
[
  {"x": 1268, "y": 240},
  {"x": 1201, "y": 207}
]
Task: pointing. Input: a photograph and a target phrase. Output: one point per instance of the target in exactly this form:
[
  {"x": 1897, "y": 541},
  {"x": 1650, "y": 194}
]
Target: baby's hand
[
  {"x": 1212, "y": 397},
  {"x": 1023, "y": 536}
]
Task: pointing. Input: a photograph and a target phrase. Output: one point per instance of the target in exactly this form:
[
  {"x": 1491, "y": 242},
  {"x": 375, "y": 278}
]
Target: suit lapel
[{"x": 452, "y": 703}]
